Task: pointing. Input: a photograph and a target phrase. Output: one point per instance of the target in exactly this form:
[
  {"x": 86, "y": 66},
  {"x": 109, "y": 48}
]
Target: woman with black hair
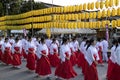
[
  {"x": 91, "y": 58},
  {"x": 16, "y": 53},
  {"x": 31, "y": 54},
  {"x": 112, "y": 61},
  {"x": 115, "y": 74},
  {"x": 43, "y": 64},
  {"x": 6, "y": 50},
  {"x": 54, "y": 57},
  {"x": 65, "y": 69}
]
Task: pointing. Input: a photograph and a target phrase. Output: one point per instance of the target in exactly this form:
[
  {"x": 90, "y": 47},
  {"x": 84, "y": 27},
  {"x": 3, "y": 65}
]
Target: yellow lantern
[
  {"x": 113, "y": 23},
  {"x": 77, "y": 8},
  {"x": 101, "y": 4},
  {"x": 99, "y": 15},
  {"x": 83, "y": 16},
  {"x": 98, "y": 24},
  {"x": 79, "y": 16},
  {"x": 110, "y": 3},
  {"x": 108, "y": 13},
  {"x": 86, "y": 26},
  {"x": 90, "y": 25},
  {"x": 103, "y": 24},
  {"x": 88, "y": 6},
  {"x": 94, "y": 25},
  {"x": 118, "y": 23},
  {"x": 118, "y": 12},
  {"x": 70, "y": 9},
  {"x": 76, "y": 16},
  {"x": 116, "y": 2},
  {"x": 72, "y": 17},
  {"x": 114, "y": 12},
  {"x": 97, "y": 5},
  {"x": 81, "y": 7},
  {"x": 104, "y": 13},
  {"x": 82, "y": 24},
  {"x": 106, "y": 3},
  {"x": 84, "y": 6},
  {"x": 92, "y": 5},
  {"x": 86, "y": 15},
  {"x": 73, "y": 8},
  {"x": 91, "y": 15},
  {"x": 78, "y": 24},
  {"x": 94, "y": 15}
]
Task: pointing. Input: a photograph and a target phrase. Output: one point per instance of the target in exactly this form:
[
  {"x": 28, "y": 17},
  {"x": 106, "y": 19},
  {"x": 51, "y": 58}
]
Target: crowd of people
[{"x": 41, "y": 54}]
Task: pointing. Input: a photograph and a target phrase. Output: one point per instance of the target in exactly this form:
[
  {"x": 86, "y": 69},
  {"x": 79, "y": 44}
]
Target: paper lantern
[
  {"x": 98, "y": 24},
  {"x": 118, "y": 11},
  {"x": 110, "y": 3},
  {"x": 94, "y": 15},
  {"x": 118, "y": 23},
  {"x": 65, "y": 9},
  {"x": 70, "y": 9},
  {"x": 91, "y": 15},
  {"x": 73, "y": 8},
  {"x": 86, "y": 15},
  {"x": 108, "y": 22},
  {"x": 82, "y": 24},
  {"x": 108, "y": 13},
  {"x": 78, "y": 24},
  {"x": 82, "y": 15},
  {"x": 88, "y": 6},
  {"x": 103, "y": 24},
  {"x": 104, "y": 13},
  {"x": 86, "y": 25},
  {"x": 116, "y": 2},
  {"x": 114, "y": 23},
  {"x": 77, "y": 8},
  {"x": 92, "y": 5},
  {"x": 84, "y": 6},
  {"x": 106, "y": 3},
  {"x": 101, "y": 4},
  {"x": 99, "y": 14},
  {"x": 90, "y": 25},
  {"x": 114, "y": 12},
  {"x": 76, "y": 16},
  {"x": 79, "y": 16},
  {"x": 94, "y": 25},
  {"x": 66, "y": 17},
  {"x": 72, "y": 17},
  {"x": 97, "y": 5},
  {"x": 81, "y": 7}
]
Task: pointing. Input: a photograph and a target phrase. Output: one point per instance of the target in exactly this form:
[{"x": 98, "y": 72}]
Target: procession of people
[{"x": 41, "y": 53}]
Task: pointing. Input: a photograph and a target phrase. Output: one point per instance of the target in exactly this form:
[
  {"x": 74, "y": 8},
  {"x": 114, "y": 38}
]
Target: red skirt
[
  {"x": 115, "y": 74},
  {"x": 31, "y": 58},
  {"x": 100, "y": 56},
  {"x": 65, "y": 70},
  {"x": 0, "y": 55},
  {"x": 7, "y": 58},
  {"x": 73, "y": 59},
  {"x": 24, "y": 54},
  {"x": 54, "y": 60},
  {"x": 16, "y": 59},
  {"x": 43, "y": 66},
  {"x": 91, "y": 72},
  {"x": 110, "y": 69}
]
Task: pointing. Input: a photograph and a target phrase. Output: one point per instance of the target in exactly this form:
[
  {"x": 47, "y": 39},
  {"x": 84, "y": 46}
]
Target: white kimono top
[
  {"x": 117, "y": 55},
  {"x": 91, "y": 55},
  {"x": 53, "y": 48},
  {"x": 4, "y": 45}
]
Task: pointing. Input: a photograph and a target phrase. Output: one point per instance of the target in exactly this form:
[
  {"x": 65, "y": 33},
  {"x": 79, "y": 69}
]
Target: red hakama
[
  {"x": 43, "y": 65},
  {"x": 24, "y": 53},
  {"x": 31, "y": 59},
  {"x": 65, "y": 70},
  {"x": 91, "y": 72},
  {"x": 16, "y": 57},
  {"x": 7, "y": 57},
  {"x": 100, "y": 55},
  {"x": 54, "y": 59},
  {"x": 0, "y": 52},
  {"x": 73, "y": 58}
]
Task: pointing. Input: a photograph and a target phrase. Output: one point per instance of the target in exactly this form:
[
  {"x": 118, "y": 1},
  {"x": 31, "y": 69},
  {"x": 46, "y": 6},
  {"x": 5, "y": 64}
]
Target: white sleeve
[
  {"x": 62, "y": 54},
  {"x": 12, "y": 49},
  {"x": 38, "y": 52}
]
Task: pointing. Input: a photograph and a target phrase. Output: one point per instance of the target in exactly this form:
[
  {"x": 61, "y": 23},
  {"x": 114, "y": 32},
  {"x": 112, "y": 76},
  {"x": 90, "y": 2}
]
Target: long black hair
[
  {"x": 115, "y": 42},
  {"x": 89, "y": 43},
  {"x": 64, "y": 40}
]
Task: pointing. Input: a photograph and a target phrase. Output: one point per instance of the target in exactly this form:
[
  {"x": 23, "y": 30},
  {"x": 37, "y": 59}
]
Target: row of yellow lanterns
[
  {"x": 28, "y": 26},
  {"x": 27, "y": 20},
  {"x": 69, "y": 25},
  {"x": 62, "y": 17},
  {"x": 74, "y": 25},
  {"x": 66, "y": 9}
]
